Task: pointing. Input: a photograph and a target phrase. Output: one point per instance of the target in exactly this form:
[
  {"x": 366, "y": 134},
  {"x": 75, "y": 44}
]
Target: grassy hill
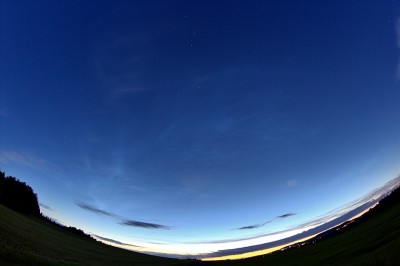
[{"x": 26, "y": 240}]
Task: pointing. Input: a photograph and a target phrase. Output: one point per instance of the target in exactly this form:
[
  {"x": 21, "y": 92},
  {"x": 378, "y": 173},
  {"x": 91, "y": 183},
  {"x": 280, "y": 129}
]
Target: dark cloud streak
[
  {"x": 47, "y": 207},
  {"x": 144, "y": 224},
  {"x": 95, "y": 210},
  {"x": 249, "y": 227},
  {"x": 253, "y": 226},
  {"x": 286, "y": 215},
  {"x": 122, "y": 220}
]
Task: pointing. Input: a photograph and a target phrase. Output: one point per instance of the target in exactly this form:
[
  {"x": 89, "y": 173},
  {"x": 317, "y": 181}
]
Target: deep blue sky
[{"x": 202, "y": 117}]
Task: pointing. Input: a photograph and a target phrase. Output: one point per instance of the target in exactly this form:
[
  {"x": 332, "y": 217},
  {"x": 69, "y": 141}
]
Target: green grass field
[{"x": 31, "y": 241}]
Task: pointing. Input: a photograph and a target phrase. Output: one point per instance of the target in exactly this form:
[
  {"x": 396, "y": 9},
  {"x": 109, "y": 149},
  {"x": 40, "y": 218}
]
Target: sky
[{"x": 164, "y": 126}]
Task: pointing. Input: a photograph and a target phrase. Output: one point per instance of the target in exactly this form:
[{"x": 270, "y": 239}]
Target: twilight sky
[{"x": 170, "y": 125}]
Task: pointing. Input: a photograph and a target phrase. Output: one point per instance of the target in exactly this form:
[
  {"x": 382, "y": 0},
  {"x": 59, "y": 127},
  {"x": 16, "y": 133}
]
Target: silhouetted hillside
[
  {"x": 70, "y": 229},
  {"x": 18, "y": 196},
  {"x": 390, "y": 200}
]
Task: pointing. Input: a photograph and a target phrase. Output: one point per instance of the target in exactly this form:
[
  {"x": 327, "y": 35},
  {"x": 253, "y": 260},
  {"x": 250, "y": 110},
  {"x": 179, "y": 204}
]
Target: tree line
[{"x": 20, "y": 197}]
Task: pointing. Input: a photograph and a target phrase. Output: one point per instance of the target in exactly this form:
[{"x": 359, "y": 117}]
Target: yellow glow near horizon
[
  {"x": 364, "y": 211},
  {"x": 257, "y": 252},
  {"x": 272, "y": 249},
  {"x": 202, "y": 248}
]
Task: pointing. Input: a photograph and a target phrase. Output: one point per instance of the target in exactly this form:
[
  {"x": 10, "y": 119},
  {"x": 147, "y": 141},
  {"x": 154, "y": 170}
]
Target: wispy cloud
[
  {"x": 249, "y": 227},
  {"x": 122, "y": 221},
  {"x": 231, "y": 240},
  {"x": 114, "y": 241},
  {"x": 47, "y": 207},
  {"x": 342, "y": 210},
  {"x": 144, "y": 224},
  {"x": 120, "y": 74},
  {"x": 95, "y": 210},
  {"x": 286, "y": 215},
  {"x": 316, "y": 225},
  {"x": 254, "y": 226},
  {"x": 26, "y": 159}
]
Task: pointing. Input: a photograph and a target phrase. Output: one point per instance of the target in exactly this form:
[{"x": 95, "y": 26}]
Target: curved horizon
[{"x": 202, "y": 129}]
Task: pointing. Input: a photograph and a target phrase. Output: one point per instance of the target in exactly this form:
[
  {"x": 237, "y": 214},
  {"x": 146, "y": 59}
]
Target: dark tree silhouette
[{"x": 18, "y": 196}]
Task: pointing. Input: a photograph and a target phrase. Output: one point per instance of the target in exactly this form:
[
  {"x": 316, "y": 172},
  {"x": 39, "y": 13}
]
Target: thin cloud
[
  {"x": 342, "y": 210},
  {"x": 95, "y": 210},
  {"x": 47, "y": 207},
  {"x": 222, "y": 241},
  {"x": 156, "y": 243},
  {"x": 286, "y": 215},
  {"x": 26, "y": 159},
  {"x": 248, "y": 227},
  {"x": 114, "y": 241},
  {"x": 120, "y": 76},
  {"x": 254, "y": 226},
  {"x": 122, "y": 221},
  {"x": 318, "y": 221},
  {"x": 144, "y": 224}
]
